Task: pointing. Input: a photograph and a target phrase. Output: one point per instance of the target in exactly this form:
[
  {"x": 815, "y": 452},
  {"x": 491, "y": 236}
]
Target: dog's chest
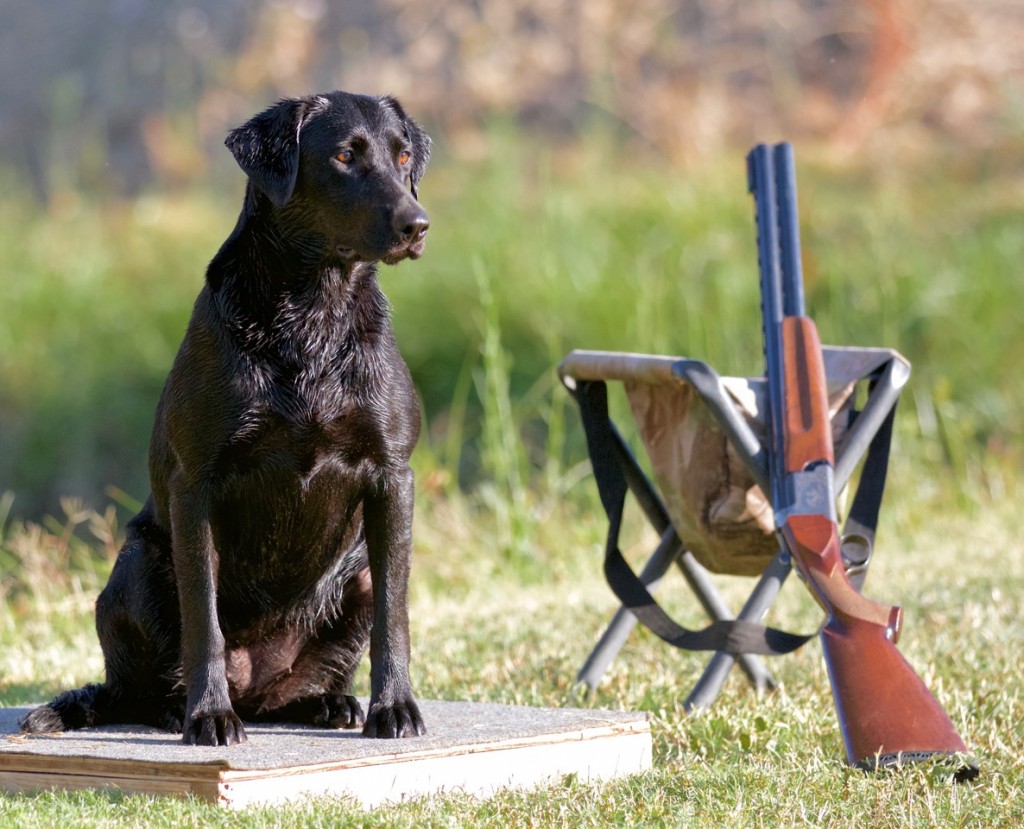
[
  {"x": 295, "y": 448},
  {"x": 286, "y": 505}
]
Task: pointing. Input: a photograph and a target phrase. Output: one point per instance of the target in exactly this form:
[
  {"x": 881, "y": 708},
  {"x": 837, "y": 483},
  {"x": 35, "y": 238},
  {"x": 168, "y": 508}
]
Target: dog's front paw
[
  {"x": 217, "y": 728},
  {"x": 400, "y": 718}
]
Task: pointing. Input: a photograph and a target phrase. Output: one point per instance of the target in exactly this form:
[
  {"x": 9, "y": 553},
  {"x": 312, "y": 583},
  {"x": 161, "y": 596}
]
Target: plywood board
[{"x": 477, "y": 748}]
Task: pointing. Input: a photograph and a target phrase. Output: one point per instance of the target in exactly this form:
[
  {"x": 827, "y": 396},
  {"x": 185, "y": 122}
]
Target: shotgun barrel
[{"x": 886, "y": 713}]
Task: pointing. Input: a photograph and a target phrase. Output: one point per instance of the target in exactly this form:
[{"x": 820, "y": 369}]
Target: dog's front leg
[
  {"x": 387, "y": 516},
  {"x": 209, "y": 718}
]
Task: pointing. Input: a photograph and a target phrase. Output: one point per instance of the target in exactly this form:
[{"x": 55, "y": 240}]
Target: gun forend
[{"x": 806, "y": 406}]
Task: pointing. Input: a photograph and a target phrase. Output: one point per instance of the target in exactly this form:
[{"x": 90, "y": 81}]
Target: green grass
[
  {"x": 484, "y": 631},
  {"x": 533, "y": 254}
]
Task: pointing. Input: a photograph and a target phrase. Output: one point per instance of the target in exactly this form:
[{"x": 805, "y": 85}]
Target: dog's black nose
[{"x": 412, "y": 226}]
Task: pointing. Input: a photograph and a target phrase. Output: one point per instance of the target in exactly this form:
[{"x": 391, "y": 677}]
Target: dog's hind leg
[
  {"x": 80, "y": 708},
  {"x": 138, "y": 634},
  {"x": 318, "y": 689},
  {"x": 327, "y": 710}
]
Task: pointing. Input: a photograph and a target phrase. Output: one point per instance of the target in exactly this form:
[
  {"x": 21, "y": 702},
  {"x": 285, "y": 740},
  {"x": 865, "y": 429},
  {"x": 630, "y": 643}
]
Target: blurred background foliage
[
  {"x": 587, "y": 190},
  {"x": 117, "y": 95}
]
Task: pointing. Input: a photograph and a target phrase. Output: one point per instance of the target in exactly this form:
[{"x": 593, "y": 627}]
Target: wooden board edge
[
  {"x": 12, "y": 782},
  {"x": 42, "y": 764},
  {"x": 476, "y": 774}
]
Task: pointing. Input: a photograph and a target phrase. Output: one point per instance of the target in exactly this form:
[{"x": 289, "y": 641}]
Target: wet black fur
[{"x": 276, "y": 542}]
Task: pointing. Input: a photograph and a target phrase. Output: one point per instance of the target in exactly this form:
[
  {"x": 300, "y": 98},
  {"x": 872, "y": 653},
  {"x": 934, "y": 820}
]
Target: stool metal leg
[{"x": 757, "y": 605}]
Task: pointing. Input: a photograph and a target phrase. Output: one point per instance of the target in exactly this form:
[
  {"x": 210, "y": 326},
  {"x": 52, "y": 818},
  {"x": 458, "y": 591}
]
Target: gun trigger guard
[{"x": 855, "y": 549}]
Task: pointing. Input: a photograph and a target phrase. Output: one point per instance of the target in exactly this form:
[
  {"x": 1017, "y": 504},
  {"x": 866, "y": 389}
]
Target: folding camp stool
[{"x": 864, "y": 385}]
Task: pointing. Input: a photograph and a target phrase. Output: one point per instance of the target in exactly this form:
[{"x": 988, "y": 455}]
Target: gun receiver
[{"x": 886, "y": 713}]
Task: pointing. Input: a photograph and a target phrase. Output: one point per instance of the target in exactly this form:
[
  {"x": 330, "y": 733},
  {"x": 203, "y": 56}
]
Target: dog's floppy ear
[
  {"x": 420, "y": 144},
  {"x": 266, "y": 147}
]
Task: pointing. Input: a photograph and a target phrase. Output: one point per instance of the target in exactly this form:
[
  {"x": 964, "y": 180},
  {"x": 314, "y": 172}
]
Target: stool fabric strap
[{"x": 734, "y": 636}]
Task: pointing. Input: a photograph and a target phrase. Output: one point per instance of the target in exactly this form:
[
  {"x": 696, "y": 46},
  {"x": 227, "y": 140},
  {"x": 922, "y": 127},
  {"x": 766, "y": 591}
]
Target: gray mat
[{"x": 450, "y": 725}]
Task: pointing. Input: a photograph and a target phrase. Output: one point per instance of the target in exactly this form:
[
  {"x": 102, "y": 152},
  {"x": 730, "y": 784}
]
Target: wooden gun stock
[{"x": 886, "y": 713}]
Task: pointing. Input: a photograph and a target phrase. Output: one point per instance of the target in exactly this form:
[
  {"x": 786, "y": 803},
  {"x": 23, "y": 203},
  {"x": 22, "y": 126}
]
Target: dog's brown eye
[
  {"x": 345, "y": 156},
  {"x": 404, "y": 156}
]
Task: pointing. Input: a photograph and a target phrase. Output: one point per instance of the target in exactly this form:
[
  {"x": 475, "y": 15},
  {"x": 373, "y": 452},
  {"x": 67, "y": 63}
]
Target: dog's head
[{"x": 344, "y": 167}]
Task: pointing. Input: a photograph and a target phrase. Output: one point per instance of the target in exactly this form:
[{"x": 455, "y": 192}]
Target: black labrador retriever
[{"x": 276, "y": 542}]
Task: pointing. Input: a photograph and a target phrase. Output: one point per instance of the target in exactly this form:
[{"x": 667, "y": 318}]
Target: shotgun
[{"x": 886, "y": 713}]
